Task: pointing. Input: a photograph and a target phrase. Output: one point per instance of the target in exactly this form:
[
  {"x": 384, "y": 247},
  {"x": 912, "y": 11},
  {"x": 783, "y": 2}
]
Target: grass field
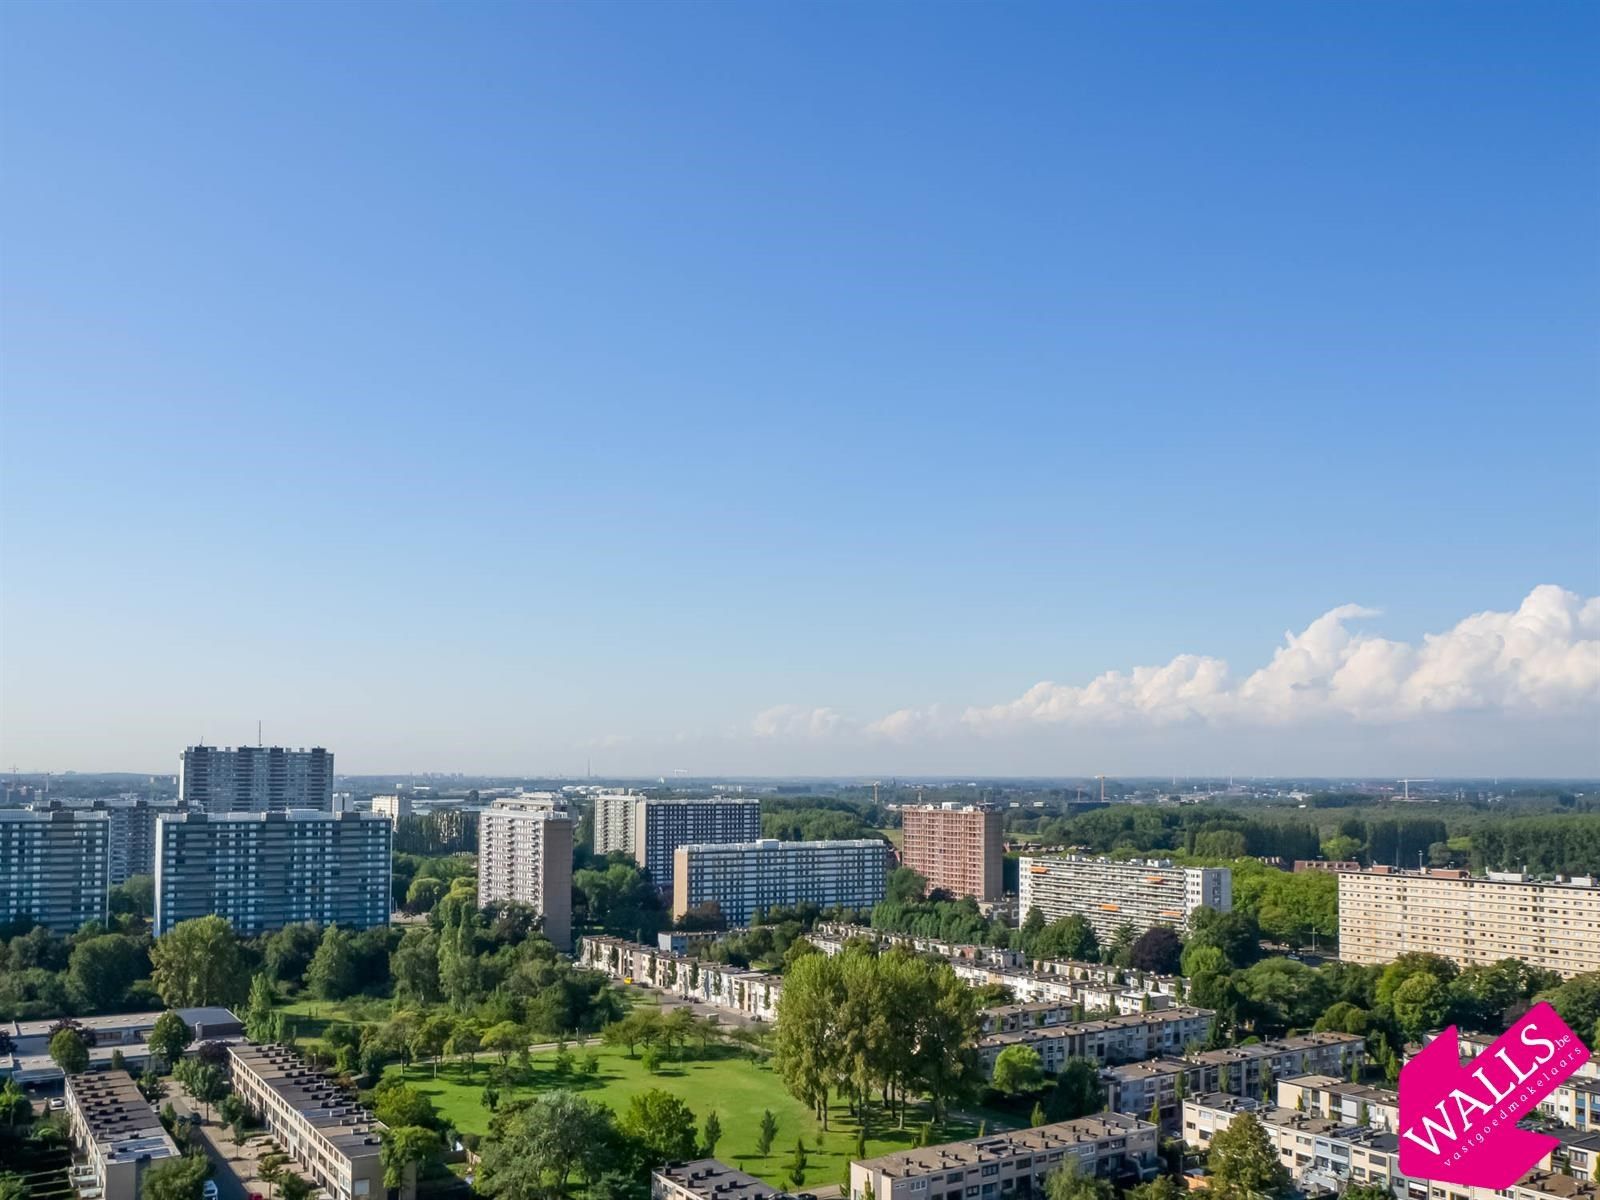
[
  {"x": 310, "y": 1017},
  {"x": 727, "y": 1081}
]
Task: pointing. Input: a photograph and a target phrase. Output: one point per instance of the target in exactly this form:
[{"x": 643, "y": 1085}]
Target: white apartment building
[
  {"x": 613, "y": 822},
  {"x": 525, "y": 855},
  {"x": 1111, "y": 1040},
  {"x": 55, "y": 866},
  {"x": 1472, "y": 920},
  {"x": 1109, "y": 894},
  {"x": 265, "y": 870},
  {"x": 660, "y": 827},
  {"x": 745, "y": 878},
  {"x": 393, "y": 807},
  {"x": 116, "y": 1131},
  {"x": 223, "y": 779},
  {"x": 1012, "y": 1165},
  {"x": 755, "y": 994}
]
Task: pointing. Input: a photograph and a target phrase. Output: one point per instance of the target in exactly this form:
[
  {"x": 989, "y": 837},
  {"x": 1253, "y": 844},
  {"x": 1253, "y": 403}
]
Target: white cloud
[{"x": 1543, "y": 658}]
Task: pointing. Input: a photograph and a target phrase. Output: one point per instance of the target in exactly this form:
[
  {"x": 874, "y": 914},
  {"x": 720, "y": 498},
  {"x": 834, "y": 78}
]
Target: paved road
[{"x": 229, "y": 1185}]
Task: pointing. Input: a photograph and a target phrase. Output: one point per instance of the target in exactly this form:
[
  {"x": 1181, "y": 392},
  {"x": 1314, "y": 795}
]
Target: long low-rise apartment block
[
  {"x": 746, "y": 878},
  {"x": 1110, "y": 894},
  {"x": 262, "y": 871},
  {"x": 1472, "y": 920},
  {"x": 28, "y": 1060},
  {"x": 1324, "y": 1155},
  {"x": 708, "y": 1179},
  {"x": 314, "y": 1120},
  {"x": 1142, "y": 1087},
  {"x": 1109, "y": 1040},
  {"x": 1014, "y": 1165},
  {"x": 755, "y": 994},
  {"x": 1575, "y": 1101},
  {"x": 115, "y": 1130}
]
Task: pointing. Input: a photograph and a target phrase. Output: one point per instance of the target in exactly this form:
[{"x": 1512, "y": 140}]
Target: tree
[
  {"x": 1243, "y": 1164},
  {"x": 1038, "y": 1118},
  {"x": 180, "y": 1178},
  {"x": 261, "y": 1022},
  {"x": 1077, "y": 1092},
  {"x": 465, "y": 1041},
  {"x": 408, "y": 1149},
  {"x": 332, "y": 973},
  {"x": 1158, "y": 949},
  {"x": 662, "y": 1124},
  {"x": 1070, "y": 937},
  {"x": 797, "y": 1164},
  {"x": 766, "y": 1133},
  {"x": 102, "y": 969},
  {"x": 533, "y": 1147},
  {"x": 15, "y": 1107},
  {"x": 69, "y": 1051},
  {"x": 712, "y": 1134},
  {"x": 286, "y": 952},
  {"x": 651, "y": 1058},
  {"x": 1365, "y": 1191},
  {"x": 430, "y": 1037},
  {"x": 197, "y": 962},
  {"x": 1068, "y": 1182},
  {"x": 293, "y": 1186},
  {"x": 504, "y": 1038},
  {"x": 398, "y": 1104},
  {"x": 202, "y": 1080},
  {"x": 1420, "y": 1004},
  {"x": 1162, "y": 1187},
  {"x": 1018, "y": 1069},
  {"x": 805, "y": 1040},
  {"x": 13, "y": 1186},
  {"x": 1577, "y": 1001},
  {"x": 170, "y": 1037},
  {"x": 905, "y": 886}
]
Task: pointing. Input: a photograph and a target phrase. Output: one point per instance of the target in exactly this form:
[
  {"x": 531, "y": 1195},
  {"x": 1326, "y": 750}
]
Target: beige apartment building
[
  {"x": 1109, "y": 894},
  {"x": 318, "y": 1123},
  {"x": 958, "y": 848},
  {"x": 1111, "y": 1040},
  {"x": 1012, "y": 1166},
  {"x": 1473, "y": 920},
  {"x": 525, "y": 855},
  {"x": 116, "y": 1131}
]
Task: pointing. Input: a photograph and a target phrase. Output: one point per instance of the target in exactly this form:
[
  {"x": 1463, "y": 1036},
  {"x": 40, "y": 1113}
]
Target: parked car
[{"x": 210, "y": 1190}]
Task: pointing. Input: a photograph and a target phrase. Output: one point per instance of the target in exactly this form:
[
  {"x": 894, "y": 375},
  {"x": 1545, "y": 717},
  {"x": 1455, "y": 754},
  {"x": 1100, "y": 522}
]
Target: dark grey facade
[
  {"x": 263, "y": 871},
  {"x": 54, "y": 866},
  {"x": 224, "y": 779},
  {"x": 133, "y": 835},
  {"x": 661, "y": 826}
]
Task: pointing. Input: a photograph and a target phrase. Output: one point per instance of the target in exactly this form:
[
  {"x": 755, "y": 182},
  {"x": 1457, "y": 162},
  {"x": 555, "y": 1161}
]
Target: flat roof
[
  {"x": 711, "y": 1177},
  {"x": 119, "y": 1119},
  {"x": 1156, "y": 1016},
  {"x": 319, "y": 1101},
  {"x": 204, "y": 1015},
  {"x": 928, "y": 1160}
]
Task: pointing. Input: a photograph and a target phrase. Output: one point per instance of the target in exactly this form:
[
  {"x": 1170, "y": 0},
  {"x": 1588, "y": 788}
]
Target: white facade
[
  {"x": 1141, "y": 893},
  {"x": 393, "y": 807}
]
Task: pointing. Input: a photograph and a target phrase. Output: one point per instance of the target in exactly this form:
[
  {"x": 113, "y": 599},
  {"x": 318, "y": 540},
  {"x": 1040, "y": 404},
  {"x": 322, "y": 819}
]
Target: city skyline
[{"x": 753, "y": 391}]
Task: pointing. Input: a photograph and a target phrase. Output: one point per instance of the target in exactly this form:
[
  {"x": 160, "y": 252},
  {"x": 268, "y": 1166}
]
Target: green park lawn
[
  {"x": 726, "y": 1081},
  {"x": 309, "y": 1017}
]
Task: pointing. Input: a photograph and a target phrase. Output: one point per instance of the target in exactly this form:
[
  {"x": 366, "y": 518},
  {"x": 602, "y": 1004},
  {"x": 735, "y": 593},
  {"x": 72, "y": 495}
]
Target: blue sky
[{"x": 499, "y": 387}]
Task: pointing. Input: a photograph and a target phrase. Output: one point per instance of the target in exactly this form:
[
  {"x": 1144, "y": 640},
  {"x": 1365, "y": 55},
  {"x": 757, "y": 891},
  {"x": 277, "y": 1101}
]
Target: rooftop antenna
[{"x": 258, "y": 733}]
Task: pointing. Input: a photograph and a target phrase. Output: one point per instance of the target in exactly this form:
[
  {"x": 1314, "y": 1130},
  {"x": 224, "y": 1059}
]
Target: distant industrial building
[
  {"x": 958, "y": 848},
  {"x": 28, "y": 1060},
  {"x": 1109, "y": 894},
  {"x": 55, "y": 866},
  {"x": 116, "y": 1131},
  {"x": 1472, "y": 920},
  {"x": 225, "y": 779},
  {"x": 525, "y": 855},
  {"x": 745, "y": 878},
  {"x": 265, "y": 870}
]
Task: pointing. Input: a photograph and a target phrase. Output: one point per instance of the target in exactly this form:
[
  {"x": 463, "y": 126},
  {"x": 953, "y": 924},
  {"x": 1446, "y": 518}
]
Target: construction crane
[{"x": 1407, "y": 784}]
